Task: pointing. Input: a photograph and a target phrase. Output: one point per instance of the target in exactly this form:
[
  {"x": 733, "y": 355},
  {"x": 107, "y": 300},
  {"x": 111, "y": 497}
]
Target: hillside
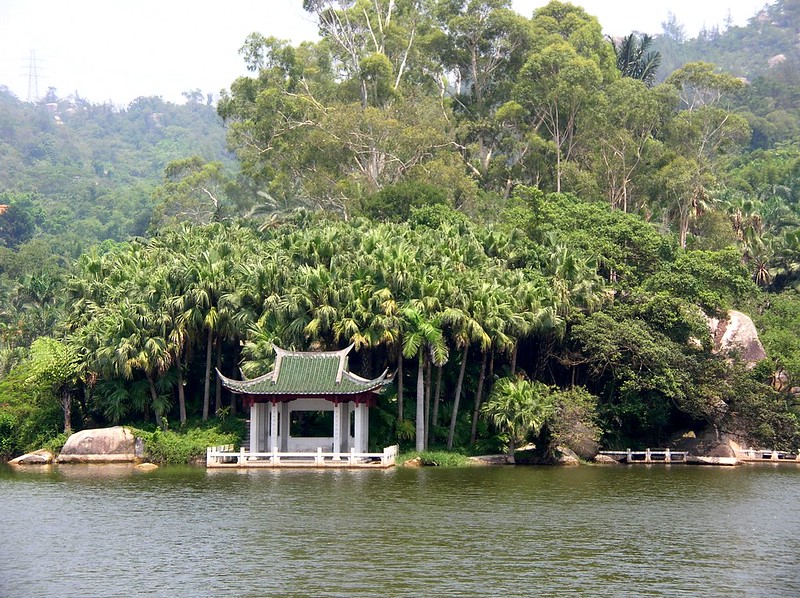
[
  {"x": 766, "y": 46},
  {"x": 91, "y": 168}
]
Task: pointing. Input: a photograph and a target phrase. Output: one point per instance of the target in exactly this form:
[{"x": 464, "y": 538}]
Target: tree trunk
[
  {"x": 217, "y": 381},
  {"x": 558, "y": 142},
  {"x": 420, "y": 432},
  {"x": 478, "y": 398},
  {"x": 514, "y": 359},
  {"x": 457, "y": 398},
  {"x": 400, "y": 387},
  {"x": 66, "y": 404},
  {"x": 435, "y": 415},
  {"x": 181, "y": 393},
  {"x": 427, "y": 400},
  {"x": 207, "y": 385},
  {"x": 511, "y": 449},
  {"x": 154, "y": 399}
]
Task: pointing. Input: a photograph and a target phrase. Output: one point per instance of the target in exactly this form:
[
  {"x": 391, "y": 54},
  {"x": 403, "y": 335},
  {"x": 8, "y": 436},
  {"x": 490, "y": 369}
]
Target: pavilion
[{"x": 308, "y": 409}]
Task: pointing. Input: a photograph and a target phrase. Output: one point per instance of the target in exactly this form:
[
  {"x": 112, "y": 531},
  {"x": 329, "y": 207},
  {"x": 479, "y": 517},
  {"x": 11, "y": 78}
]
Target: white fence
[
  {"x": 647, "y": 456},
  {"x": 226, "y": 456},
  {"x": 767, "y": 455}
]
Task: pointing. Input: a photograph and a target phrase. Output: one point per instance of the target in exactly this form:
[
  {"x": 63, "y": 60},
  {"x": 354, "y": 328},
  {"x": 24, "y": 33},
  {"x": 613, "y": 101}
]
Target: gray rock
[
  {"x": 565, "y": 456},
  {"x": 605, "y": 460},
  {"x": 100, "y": 445},
  {"x": 708, "y": 445},
  {"x": 40, "y": 457},
  {"x": 146, "y": 466},
  {"x": 737, "y": 334}
]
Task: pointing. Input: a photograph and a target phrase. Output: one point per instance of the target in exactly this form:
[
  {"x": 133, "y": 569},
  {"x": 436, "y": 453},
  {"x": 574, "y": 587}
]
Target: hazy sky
[{"x": 118, "y": 50}]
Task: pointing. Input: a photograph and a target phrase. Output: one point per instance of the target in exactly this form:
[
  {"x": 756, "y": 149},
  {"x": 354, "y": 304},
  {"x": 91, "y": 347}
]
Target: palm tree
[
  {"x": 747, "y": 223},
  {"x": 465, "y": 329},
  {"x": 493, "y": 308},
  {"x": 518, "y": 407},
  {"x": 206, "y": 273},
  {"x": 634, "y": 58},
  {"x": 423, "y": 336},
  {"x": 129, "y": 342},
  {"x": 574, "y": 279}
]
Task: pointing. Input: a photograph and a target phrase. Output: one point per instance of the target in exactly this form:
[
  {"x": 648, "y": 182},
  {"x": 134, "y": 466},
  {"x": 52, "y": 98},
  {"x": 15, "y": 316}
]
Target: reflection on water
[{"x": 642, "y": 530}]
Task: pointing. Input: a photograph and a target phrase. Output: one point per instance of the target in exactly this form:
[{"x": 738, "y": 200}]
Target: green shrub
[
  {"x": 56, "y": 443},
  {"x": 436, "y": 458},
  {"x": 8, "y": 426},
  {"x": 30, "y": 414},
  {"x": 187, "y": 445}
]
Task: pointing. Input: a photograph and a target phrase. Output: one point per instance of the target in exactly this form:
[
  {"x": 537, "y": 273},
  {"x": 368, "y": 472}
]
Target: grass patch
[
  {"x": 436, "y": 458},
  {"x": 188, "y": 444}
]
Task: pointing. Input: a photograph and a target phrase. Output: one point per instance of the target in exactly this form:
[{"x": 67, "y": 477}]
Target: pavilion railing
[{"x": 227, "y": 456}]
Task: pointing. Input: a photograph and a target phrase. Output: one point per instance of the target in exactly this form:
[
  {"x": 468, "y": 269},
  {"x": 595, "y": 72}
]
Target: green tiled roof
[{"x": 307, "y": 373}]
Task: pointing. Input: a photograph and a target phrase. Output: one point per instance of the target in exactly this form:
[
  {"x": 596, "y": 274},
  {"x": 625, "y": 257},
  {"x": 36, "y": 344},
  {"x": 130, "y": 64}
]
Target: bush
[
  {"x": 436, "y": 458},
  {"x": 186, "y": 446},
  {"x": 8, "y": 425},
  {"x": 30, "y": 414},
  {"x": 56, "y": 443}
]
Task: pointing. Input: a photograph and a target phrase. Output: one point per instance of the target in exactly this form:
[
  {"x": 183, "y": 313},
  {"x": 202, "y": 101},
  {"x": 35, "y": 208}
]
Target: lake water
[{"x": 497, "y": 531}]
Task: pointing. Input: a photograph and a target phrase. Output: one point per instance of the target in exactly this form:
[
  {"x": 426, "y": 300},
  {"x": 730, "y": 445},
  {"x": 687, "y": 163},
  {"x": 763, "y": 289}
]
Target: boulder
[
  {"x": 737, "y": 334},
  {"x": 145, "y": 466},
  {"x": 605, "y": 460},
  {"x": 707, "y": 446},
  {"x": 776, "y": 60},
  {"x": 41, "y": 457},
  {"x": 100, "y": 445},
  {"x": 565, "y": 456}
]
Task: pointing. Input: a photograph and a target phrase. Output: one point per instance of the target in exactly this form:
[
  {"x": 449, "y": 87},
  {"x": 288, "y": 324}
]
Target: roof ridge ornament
[
  {"x": 279, "y": 353},
  {"x": 342, "y": 363}
]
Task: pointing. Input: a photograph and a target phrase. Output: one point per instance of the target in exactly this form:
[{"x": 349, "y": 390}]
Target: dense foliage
[{"x": 529, "y": 222}]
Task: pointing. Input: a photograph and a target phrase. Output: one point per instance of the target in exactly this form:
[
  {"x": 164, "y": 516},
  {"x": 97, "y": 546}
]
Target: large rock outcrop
[
  {"x": 100, "y": 445},
  {"x": 708, "y": 448},
  {"x": 737, "y": 334}
]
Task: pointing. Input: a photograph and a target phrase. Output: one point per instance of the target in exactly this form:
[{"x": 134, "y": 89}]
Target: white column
[
  {"x": 362, "y": 428},
  {"x": 255, "y": 430},
  {"x": 263, "y": 428},
  {"x": 351, "y": 429},
  {"x": 283, "y": 433},
  {"x": 273, "y": 428},
  {"x": 365, "y": 428},
  {"x": 337, "y": 429},
  {"x": 344, "y": 422}
]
